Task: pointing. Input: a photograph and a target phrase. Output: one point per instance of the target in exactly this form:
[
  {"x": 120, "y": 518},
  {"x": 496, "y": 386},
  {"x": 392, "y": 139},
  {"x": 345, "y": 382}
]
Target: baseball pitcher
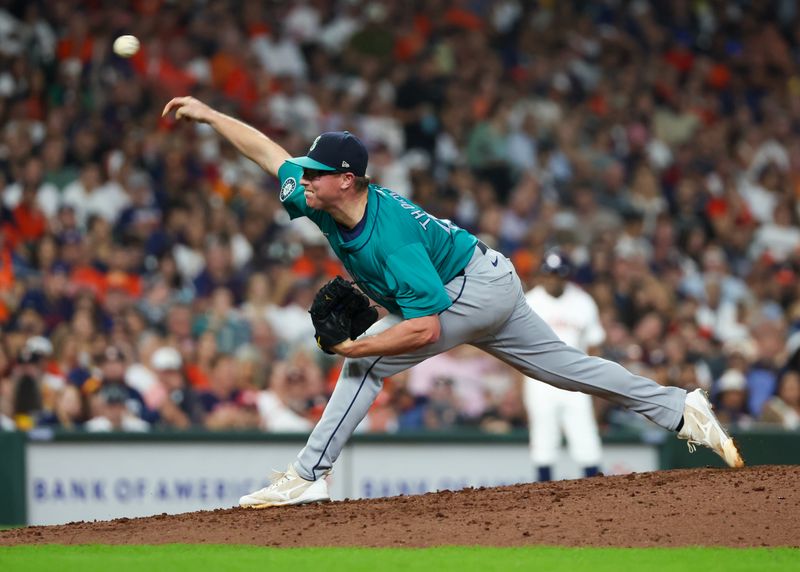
[
  {"x": 574, "y": 317},
  {"x": 441, "y": 286}
]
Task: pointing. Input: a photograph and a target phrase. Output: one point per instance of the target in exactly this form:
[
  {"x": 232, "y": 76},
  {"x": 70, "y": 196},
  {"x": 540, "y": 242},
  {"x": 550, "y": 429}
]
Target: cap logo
[
  {"x": 345, "y": 164},
  {"x": 314, "y": 144}
]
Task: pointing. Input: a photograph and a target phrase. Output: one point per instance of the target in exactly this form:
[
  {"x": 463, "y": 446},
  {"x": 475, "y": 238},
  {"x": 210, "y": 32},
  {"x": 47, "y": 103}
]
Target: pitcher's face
[{"x": 322, "y": 188}]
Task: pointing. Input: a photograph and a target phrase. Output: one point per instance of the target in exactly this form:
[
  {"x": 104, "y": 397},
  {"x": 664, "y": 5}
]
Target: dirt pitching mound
[{"x": 756, "y": 506}]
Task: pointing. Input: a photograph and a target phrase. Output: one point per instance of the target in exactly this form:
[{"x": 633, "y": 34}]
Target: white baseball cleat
[
  {"x": 286, "y": 489},
  {"x": 701, "y": 427}
]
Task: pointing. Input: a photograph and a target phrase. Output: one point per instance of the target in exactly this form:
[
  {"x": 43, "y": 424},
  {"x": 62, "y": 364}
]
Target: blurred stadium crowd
[{"x": 149, "y": 277}]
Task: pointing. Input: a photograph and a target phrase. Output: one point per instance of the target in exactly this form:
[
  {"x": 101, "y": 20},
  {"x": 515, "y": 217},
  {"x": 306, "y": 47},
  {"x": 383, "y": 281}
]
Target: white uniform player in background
[{"x": 573, "y": 315}]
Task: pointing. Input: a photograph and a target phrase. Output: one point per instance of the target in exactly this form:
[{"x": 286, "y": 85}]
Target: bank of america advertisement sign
[{"x": 87, "y": 481}]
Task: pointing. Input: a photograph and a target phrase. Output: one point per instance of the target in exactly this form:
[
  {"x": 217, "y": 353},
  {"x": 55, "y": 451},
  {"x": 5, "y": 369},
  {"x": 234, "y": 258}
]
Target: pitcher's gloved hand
[{"x": 340, "y": 312}]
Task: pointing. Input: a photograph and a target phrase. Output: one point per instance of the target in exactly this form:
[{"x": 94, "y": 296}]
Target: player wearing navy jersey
[{"x": 442, "y": 288}]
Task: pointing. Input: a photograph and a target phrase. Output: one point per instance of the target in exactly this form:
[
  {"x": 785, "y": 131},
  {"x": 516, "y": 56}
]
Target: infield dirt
[{"x": 754, "y": 506}]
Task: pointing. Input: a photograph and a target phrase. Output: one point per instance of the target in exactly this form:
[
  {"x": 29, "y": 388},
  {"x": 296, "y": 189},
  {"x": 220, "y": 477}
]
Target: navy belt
[{"x": 482, "y": 247}]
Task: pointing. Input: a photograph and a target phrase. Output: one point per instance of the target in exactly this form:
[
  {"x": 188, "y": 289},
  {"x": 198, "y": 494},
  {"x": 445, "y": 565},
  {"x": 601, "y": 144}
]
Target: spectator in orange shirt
[
  {"x": 315, "y": 263},
  {"x": 7, "y": 285},
  {"x": 28, "y": 218},
  {"x": 198, "y": 370}
]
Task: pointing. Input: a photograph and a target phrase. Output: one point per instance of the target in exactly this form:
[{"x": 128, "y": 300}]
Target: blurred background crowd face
[{"x": 656, "y": 144}]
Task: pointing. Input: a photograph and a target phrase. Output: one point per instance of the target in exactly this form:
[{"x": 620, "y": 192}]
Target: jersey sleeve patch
[
  {"x": 294, "y": 202},
  {"x": 287, "y": 188}
]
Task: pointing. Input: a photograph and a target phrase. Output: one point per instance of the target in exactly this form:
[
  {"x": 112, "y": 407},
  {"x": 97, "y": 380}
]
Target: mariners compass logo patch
[{"x": 288, "y": 187}]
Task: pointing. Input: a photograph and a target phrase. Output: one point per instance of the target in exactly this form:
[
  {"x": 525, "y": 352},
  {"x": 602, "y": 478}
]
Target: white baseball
[{"x": 126, "y": 46}]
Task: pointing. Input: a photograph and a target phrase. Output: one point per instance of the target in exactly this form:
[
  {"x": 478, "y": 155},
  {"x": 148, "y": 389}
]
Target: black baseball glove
[{"x": 340, "y": 312}]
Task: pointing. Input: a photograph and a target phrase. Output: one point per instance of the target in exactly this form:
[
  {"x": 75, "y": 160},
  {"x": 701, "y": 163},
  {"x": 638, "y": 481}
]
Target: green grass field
[{"x": 192, "y": 558}]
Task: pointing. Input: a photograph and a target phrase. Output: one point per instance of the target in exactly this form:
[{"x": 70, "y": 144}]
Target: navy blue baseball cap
[
  {"x": 338, "y": 151},
  {"x": 556, "y": 262}
]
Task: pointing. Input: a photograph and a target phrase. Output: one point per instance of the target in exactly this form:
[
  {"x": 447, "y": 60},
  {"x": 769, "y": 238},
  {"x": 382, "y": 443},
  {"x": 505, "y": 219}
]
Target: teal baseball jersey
[{"x": 402, "y": 258}]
